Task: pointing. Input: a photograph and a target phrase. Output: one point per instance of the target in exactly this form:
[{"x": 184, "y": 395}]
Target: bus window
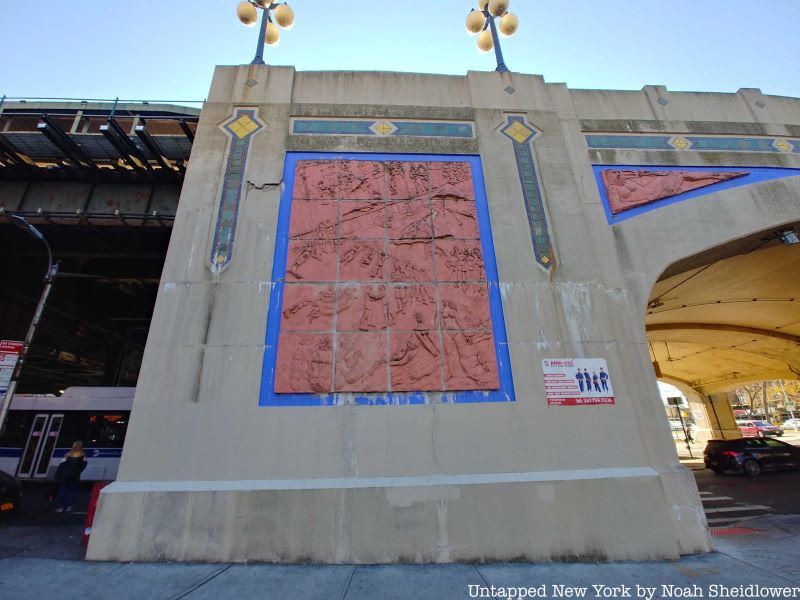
[
  {"x": 18, "y": 425},
  {"x": 106, "y": 430}
]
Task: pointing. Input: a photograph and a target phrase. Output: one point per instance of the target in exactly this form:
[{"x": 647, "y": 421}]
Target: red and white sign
[
  {"x": 577, "y": 381},
  {"x": 9, "y": 354}
]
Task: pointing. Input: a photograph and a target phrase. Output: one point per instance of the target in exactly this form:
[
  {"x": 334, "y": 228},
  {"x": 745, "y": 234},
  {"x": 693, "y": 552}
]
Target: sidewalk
[{"x": 767, "y": 553}]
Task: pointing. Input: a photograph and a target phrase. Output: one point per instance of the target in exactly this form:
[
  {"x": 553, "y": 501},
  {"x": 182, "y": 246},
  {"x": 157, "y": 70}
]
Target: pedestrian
[{"x": 68, "y": 475}]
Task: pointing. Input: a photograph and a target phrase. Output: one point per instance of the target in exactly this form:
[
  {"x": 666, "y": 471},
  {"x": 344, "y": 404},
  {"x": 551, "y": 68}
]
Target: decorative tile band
[
  {"x": 695, "y": 143},
  {"x": 383, "y": 128},
  {"x": 240, "y": 129},
  {"x": 523, "y": 134}
]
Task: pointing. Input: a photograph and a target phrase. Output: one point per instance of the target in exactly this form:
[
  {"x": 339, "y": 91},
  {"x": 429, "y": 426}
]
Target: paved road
[{"x": 730, "y": 498}]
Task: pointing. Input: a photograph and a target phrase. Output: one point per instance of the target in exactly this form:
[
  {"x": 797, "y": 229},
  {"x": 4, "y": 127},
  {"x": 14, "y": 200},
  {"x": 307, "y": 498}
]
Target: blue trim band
[{"x": 395, "y": 129}]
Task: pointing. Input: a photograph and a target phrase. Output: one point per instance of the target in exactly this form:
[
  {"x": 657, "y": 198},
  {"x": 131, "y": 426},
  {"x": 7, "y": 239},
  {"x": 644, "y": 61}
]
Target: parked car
[
  {"x": 792, "y": 424},
  {"x": 10, "y": 493},
  {"x": 758, "y": 429},
  {"x": 751, "y": 456}
]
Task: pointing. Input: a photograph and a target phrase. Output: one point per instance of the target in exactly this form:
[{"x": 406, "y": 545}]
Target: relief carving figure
[
  {"x": 373, "y": 312},
  {"x": 363, "y": 219},
  {"x": 409, "y": 219},
  {"x": 455, "y": 219},
  {"x": 308, "y": 308},
  {"x": 409, "y": 301},
  {"x": 362, "y": 307},
  {"x": 361, "y": 363},
  {"x": 317, "y": 179},
  {"x": 362, "y": 261},
  {"x": 458, "y": 261},
  {"x": 412, "y": 260},
  {"x": 361, "y": 180},
  {"x": 304, "y": 364},
  {"x": 465, "y": 306},
  {"x": 470, "y": 361},
  {"x": 312, "y": 260},
  {"x": 406, "y": 180},
  {"x": 415, "y": 364},
  {"x": 629, "y": 189},
  {"x": 313, "y": 219},
  {"x": 451, "y": 180}
]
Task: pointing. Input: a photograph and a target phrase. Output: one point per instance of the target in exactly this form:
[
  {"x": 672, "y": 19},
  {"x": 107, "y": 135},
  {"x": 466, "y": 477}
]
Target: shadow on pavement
[{"x": 37, "y": 531}]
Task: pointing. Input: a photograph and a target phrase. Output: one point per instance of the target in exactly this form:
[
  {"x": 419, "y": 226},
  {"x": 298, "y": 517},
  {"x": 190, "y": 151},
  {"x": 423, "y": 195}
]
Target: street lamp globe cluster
[
  {"x": 482, "y": 23},
  {"x": 275, "y": 15}
]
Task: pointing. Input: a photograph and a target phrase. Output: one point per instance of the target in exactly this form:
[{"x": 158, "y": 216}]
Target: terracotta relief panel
[
  {"x": 629, "y": 189},
  {"x": 385, "y": 285}
]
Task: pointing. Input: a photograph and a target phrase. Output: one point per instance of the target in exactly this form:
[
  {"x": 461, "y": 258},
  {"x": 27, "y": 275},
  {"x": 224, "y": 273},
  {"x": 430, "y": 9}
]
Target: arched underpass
[{"x": 726, "y": 317}]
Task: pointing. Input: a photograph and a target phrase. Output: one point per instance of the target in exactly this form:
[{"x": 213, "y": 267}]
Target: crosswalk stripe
[
  {"x": 721, "y": 520},
  {"x": 706, "y": 493},
  {"x": 715, "y": 498},
  {"x": 737, "y": 508}
]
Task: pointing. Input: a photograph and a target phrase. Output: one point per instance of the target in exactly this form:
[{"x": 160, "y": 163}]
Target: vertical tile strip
[
  {"x": 240, "y": 129},
  {"x": 522, "y": 136}
]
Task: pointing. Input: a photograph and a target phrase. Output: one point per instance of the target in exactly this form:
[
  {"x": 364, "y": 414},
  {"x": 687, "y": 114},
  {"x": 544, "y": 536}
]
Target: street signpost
[{"x": 9, "y": 355}]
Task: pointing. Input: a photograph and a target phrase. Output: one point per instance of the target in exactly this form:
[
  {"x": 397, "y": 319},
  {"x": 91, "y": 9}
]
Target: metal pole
[
  {"x": 52, "y": 272},
  {"x": 262, "y": 34},
  {"x": 685, "y": 433},
  {"x": 498, "y": 52}
]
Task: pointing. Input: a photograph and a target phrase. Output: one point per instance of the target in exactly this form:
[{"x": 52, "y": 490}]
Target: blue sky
[{"x": 161, "y": 49}]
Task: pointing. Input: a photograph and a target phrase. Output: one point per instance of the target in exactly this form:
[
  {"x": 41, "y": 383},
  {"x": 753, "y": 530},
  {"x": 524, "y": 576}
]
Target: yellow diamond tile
[
  {"x": 383, "y": 128},
  {"x": 680, "y": 143},
  {"x": 783, "y": 145},
  {"x": 545, "y": 260},
  {"x": 518, "y": 132}
]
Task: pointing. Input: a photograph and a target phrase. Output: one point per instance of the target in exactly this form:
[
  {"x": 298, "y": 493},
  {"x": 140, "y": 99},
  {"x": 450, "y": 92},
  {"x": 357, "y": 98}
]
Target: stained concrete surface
[{"x": 769, "y": 557}]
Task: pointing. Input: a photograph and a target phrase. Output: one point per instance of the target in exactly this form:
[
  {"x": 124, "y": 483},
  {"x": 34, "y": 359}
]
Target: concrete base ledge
[{"x": 623, "y": 514}]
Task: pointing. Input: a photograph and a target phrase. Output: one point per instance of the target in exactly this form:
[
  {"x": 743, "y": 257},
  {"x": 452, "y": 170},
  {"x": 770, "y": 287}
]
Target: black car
[
  {"x": 750, "y": 455},
  {"x": 10, "y": 494}
]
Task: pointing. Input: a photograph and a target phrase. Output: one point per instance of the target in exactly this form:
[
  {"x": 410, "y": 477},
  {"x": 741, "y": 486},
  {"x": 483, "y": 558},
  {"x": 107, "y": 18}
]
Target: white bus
[{"x": 40, "y": 430}]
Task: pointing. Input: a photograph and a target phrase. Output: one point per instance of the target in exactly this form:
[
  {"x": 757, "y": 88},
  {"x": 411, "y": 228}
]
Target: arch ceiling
[{"x": 729, "y": 315}]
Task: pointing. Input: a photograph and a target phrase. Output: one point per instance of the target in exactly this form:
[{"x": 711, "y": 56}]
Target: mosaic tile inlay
[
  {"x": 522, "y": 134},
  {"x": 382, "y": 128},
  {"x": 697, "y": 143},
  {"x": 240, "y": 129}
]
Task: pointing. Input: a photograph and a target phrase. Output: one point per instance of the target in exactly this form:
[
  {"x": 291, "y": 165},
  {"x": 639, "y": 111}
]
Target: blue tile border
[
  {"x": 382, "y": 128},
  {"x": 267, "y": 395},
  {"x": 694, "y": 143},
  {"x": 754, "y": 175},
  {"x": 531, "y": 189},
  {"x": 232, "y": 187}
]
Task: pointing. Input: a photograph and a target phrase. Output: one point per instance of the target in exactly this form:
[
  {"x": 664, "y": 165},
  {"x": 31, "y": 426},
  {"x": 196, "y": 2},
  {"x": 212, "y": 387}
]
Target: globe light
[
  {"x": 284, "y": 16},
  {"x": 498, "y": 7},
  {"x": 475, "y": 21},
  {"x": 273, "y": 35},
  {"x": 482, "y": 4},
  {"x": 485, "y": 42},
  {"x": 509, "y": 24},
  {"x": 247, "y": 13}
]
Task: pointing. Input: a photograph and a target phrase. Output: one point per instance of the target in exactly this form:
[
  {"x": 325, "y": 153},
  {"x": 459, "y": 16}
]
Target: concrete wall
[{"x": 207, "y": 474}]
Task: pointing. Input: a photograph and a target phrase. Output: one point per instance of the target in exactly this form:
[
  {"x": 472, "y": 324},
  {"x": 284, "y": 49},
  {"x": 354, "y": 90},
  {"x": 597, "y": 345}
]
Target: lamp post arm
[
  {"x": 498, "y": 52},
  {"x": 52, "y": 272},
  {"x": 262, "y": 36}
]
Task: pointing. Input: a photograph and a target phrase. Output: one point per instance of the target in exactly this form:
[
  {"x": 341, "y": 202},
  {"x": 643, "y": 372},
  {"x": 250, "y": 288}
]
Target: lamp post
[
  {"x": 269, "y": 34},
  {"x": 50, "y": 275},
  {"x": 481, "y": 22}
]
